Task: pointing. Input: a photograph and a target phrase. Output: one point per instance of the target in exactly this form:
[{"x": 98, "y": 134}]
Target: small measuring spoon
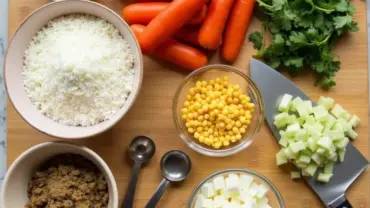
[
  {"x": 175, "y": 166},
  {"x": 141, "y": 150}
]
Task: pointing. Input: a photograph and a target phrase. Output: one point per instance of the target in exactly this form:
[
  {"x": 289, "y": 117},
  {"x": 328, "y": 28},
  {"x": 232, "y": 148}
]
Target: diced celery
[
  {"x": 342, "y": 153},
  {"x": 329, "y": 167},
  {"x": 304, "y": 159},
  {"x": 301, "y": 165},
  {"x": 325, "y": 142},
  {"x": 295, "y": 175},
  {"x": 289, "y": 153},
  {"x": 297, "y": 146},
  {"x": 346, "y": 116},
  {"x": 311, "y": 144},
  {"x": 337, "y": 111},
  {"x": 304, "y": 173},
  {"x": 326, "y": 102},
  {"x": 311, "y": 169},
  {"x": 281, "y": 158},
  {"x": 325, "y": 132},
  {"x": 318, "y": 126},
  {"x": 301, "y": 135},
  {"x": 307, "y": 152},
  {"x": 283, "y": 142},
  {"x": 301, "y": 120},
  {"x": 324, "y": 177},
  {"x": 308, "y": 105},
  {"x": 329, "y": 121},
  {"x": 316, "y": 158},
  {"x": 345, "y": 124},
  {"x": 285, "y": 102},
  {"x": 292, "y": 129},
  {"x": 352, "y": 134},
  {"x": 292, "y": 119},
  {"x": 335, "y": 158},
  {"x": 336, "y": 134},
  {"x": 320, "y": 151},
  {"x": 354, "y": 121},
  {"x": 341, "y": 143},
  {"x": 296, "y": 101},
  {"x": 310, "y": 120},
  {"x": 320, "y": 113},
  {"x": 302, "y": 109},
  {"x": 280, "y": 120},
  {"x": 331, "y": 154}
]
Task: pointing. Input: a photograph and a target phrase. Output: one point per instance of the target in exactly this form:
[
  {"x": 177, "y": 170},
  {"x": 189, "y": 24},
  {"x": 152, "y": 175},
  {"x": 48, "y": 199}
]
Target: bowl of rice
[{"x": 73, "y": 69}]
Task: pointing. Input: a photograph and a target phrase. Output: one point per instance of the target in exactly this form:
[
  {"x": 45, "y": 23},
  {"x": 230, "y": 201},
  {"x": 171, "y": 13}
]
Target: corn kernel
[
  {"x": 190, "y": 130},
  {"x": 238, "y": 137},
  {"x": 196, "y": 135},
  {"x": 226, "y": 143}
]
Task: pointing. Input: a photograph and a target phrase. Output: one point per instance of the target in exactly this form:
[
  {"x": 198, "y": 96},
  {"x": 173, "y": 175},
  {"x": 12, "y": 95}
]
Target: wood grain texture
[{"x": 152, "y": 115}]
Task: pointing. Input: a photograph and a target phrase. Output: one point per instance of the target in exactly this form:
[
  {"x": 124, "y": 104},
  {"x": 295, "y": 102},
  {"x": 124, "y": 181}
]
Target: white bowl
[
  {"x": 14, "y": 189},
  {"x": 13, "y": 67}
]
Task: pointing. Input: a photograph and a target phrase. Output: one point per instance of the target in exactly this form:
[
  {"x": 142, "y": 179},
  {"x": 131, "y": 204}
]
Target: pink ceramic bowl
[{"x": 13, "y": 67}]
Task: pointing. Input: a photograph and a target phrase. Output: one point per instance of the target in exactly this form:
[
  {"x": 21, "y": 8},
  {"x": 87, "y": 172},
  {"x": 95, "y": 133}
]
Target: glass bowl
[
  {"x": 247, "y": 87},
  {"x": 274, "y": 196}
]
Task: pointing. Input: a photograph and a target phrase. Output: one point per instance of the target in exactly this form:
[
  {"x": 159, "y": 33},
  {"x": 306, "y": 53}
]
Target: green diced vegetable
[
  {"x": 295, "y": 175},
  {"x": 345, "y": 124},
  {"x": 289, "y": 153},
  {"x": 280, "y": 120},
  {"x": 325, "y": 142},
  {"x": 341, "y": 143},
  {"x": 308, "y": 105},
  {"x": 320, "y": 151},
  {"x": 304, "y": 173},
  {"x": 354, "y": 121},
  {"x": 320, "y": 113},
  {"x": 352, "y": 134},
  {"x": 292, "y": 129},
  {"x": 301, "y": 135},
  {"x": 309, "y": 120},
  {"x": 326, "y": 102},
  {"x": 324, "y": 177},
  {"x": 295, "y": 147},
  {"x": 311, "y": 169},
  {"x": 316, "y": 158},
  {"x": 281, "y": 158},
  {"x": 338, "y": 112},
  {"x": 283, "y": 142},
  {"x": 311, "y": 144},
  {"x": 336, "y": 134},
  {"x": 329, "y": 167},
  {"x": 302, "y": 109},
  {"x": 296, "y": 101},
  {"x": 341, "y": 155},
  {"x": 285, "y": 103},
  {"x": 304, "y": 159}
]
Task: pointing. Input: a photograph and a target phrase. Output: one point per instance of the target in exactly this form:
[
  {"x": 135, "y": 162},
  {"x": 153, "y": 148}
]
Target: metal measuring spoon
[
  {"x": 175, "y": 166},
  {"x": 141, "y": 150}
]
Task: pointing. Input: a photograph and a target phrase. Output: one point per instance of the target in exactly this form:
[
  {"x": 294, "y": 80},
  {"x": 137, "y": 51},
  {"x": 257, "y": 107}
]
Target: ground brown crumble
[{"x": 68, "y": 181}]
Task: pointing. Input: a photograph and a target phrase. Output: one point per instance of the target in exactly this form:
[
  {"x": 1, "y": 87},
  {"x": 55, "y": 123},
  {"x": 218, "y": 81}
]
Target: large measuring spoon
[
  {"x": 175, "y": 166},
  {"x": 141, "y": 150}
]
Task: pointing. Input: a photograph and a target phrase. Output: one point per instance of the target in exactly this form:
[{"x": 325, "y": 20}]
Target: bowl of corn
[{"x": 218, "y": 110}]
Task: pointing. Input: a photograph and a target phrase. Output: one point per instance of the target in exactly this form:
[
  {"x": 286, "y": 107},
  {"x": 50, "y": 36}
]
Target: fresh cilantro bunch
[{"x": 303, "y": 34}]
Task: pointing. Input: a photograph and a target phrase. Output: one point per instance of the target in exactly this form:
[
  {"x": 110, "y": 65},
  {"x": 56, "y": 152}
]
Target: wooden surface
[{"x": 152, "y": 115}]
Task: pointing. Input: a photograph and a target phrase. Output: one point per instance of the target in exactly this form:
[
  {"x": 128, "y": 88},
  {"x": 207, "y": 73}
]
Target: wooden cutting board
[{"x": 152, "y": 115}]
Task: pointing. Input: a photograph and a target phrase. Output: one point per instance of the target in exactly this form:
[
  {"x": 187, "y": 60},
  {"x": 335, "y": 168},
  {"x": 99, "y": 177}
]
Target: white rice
[{"x": 78, "y": 70}]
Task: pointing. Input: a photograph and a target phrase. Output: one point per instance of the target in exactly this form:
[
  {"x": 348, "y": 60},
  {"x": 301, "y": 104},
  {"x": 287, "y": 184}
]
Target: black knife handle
[{"x": 341, "y": 202}]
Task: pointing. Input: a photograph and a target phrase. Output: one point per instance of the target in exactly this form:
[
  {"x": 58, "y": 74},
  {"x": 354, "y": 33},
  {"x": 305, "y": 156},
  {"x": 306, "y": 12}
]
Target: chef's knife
[{"x": 272, "y": 86}]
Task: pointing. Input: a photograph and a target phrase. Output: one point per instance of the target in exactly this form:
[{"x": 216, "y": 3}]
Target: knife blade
[{"x": 273, "y": 85}]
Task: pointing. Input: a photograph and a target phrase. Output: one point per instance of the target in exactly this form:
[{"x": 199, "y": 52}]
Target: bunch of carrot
[{"x": 178, "y": 30}]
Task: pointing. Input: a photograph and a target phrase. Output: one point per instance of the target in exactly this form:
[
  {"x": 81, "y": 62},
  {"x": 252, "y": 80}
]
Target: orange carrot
[
  {"x": 168, "y": 22},
  {"x": 188, "y": 35},
  {"x": 210, "y": 34},
  {"x": 199, "y": 17},
  {"x": 152, "y": 0},
  {"x": 143, "y": 13},
  {"x": 176, "y": 52},
  {"x": 236, "y": 29}
]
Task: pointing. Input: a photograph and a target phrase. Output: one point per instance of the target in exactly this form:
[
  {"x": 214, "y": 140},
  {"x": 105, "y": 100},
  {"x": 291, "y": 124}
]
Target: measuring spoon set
[{"x": 175, "y": 166}]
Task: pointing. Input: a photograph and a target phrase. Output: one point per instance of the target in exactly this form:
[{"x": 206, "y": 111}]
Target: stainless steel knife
[{"x": 273, "y": 85}]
